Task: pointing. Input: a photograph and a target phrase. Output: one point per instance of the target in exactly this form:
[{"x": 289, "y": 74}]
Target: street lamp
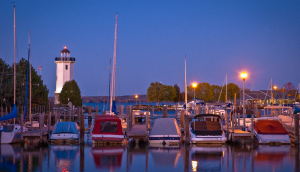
[
  {"x": 243, "y": 76},
  {"x": 136, "y": 96},
  {"x": 275, "y": 88}
]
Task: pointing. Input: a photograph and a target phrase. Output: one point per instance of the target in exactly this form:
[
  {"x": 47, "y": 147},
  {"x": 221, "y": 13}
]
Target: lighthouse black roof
[{"x": 65, "y": 50}]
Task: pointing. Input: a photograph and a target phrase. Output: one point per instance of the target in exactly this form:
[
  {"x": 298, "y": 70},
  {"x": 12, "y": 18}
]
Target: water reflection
[
  {"x": 108, "y": 157},
  {"x": 149, "y": 158},
  {"x": 207, "y": 157},
  {"x": 9, "y": 156},
  {"x": 65, "y": 156},
  {"x": 164, "y": 155}
]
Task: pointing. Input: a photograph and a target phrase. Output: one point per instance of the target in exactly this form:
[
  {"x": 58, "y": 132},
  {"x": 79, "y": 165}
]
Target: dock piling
[
  {"x": 186, "y": 129},
  {"x": 296, "y": 124},
  {"x": 181, "y": 118},
  {"x": 81, "y": 129},
  {"x": 165, "y": 113}
]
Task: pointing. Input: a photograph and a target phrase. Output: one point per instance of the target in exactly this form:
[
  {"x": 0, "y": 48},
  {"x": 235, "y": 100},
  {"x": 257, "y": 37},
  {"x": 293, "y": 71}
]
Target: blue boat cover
[
  {"x": 114, "y": 108},
  {"x": 11, "y": 115},
  {"x": 66, "y": 127}
]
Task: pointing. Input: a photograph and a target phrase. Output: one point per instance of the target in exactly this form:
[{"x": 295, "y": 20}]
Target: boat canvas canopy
[
  {"x": 206, "y": 128},
  {"x": 269, "y": 127},
  {"x": 66, "y": 127},
  {"x": 107, "y": 124},
  {"x": 165, "y": 126}
]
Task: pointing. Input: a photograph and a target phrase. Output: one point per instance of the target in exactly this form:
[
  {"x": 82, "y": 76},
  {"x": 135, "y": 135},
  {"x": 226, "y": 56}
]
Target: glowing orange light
[
  {"x": 194, "y": 85},
  {"x": 275, "y": 87},
  {"x": 136, "y": 96},
  {"x": 243, "y": 75},
  {"x": 65, "y": 47}
]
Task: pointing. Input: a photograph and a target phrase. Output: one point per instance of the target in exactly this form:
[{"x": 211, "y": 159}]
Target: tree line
[
  {"x": 158, "y": 92},
  {"x": 39, "y": 90}
]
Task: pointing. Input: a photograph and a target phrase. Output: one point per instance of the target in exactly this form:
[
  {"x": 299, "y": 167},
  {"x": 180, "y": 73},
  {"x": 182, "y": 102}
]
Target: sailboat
[
  {"x": 11, "y": 133},
  {"x": 108, "y": 128}
]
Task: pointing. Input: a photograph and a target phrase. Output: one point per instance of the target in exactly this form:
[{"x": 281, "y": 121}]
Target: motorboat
[
  {"x": 165, "y": 131},
  {"x": 207, "y": 129},
  {"x": 11, "y": 133},
  {"x": 269, "y": 130},
  {"x": 65, "y": 132},
  {"x": 107, "y": 129},
  {"x": 215, "y": 109}
]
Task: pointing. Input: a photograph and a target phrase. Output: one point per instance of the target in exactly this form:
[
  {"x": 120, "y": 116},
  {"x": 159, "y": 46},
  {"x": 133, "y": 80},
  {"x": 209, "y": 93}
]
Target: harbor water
[{"x": 144, "y": 157}]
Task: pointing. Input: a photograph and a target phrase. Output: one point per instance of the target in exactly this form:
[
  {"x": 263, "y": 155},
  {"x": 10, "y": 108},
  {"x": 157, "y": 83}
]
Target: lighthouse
[{"x": 64, "y": 71}]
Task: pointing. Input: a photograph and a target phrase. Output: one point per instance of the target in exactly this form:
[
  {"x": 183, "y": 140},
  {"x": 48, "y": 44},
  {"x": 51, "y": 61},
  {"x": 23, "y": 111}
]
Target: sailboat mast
[
  {"x": 113, "y": 79},
  {"x": 185, "y": 86},
  {"x": 115, "y": 57},
  {"x": 15, "y": 77},
  {"x": 29, "y": 80}
]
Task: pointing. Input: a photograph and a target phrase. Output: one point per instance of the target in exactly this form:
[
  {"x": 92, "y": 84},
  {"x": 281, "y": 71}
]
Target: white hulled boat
[
  {"x": 207, "y": 128},
  {"x": 165, "y": 131},
  {"x": 269, "y": 130}
]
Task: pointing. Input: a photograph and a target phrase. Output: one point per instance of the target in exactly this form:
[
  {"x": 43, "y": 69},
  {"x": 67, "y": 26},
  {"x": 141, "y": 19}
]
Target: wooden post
[
  {"x": 73, "y": 112},
  {"x": 186, "y": 129},
  {"x": 252, "y": 135},
  {"x": 244, "y": 116},
  {"x": 65, "y": 117},
  {"x": 97, "y": 110},
  {"x": 165, "y": 113},
  {"x": 233, "y": 121},
  {"x": 41, "y": 127},
  {"x": 132, "y": 116},
  {"x": 22, "y": 118},
  {"x": 78, "y": 113},
  {"x": 147, "y": 121},
  {"x": 128, "y": 118},
  {"x": 238, "y": 122},
  {"x": 49, "y": 120},
  {"x": 90, "y": 116},
  {"x": 176, "y": 111},
  {"x": 181, "y": 118},
  {"x": 153, "y": 110},
  {"x": 51, "y": 116},
  {"x": 70, "y": 115},
  {"x": 296, "y": 125},
  {"x": 82, "y": 129}
]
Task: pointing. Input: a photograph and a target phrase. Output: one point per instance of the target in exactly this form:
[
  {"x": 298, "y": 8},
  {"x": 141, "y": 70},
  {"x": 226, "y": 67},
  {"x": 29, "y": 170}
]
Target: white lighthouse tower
[{"x": 64, "y": 71}]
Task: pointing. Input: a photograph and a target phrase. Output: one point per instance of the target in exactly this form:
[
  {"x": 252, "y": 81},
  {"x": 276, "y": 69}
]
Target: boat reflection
[
  {"x": 207, "y": 157},
  {"x": 107, "y": 157},
  {"x": 164, "y": 155},
  {"x": 64, "y": 156},
  {"x": 9, "y": 156},
  {"x": 271, "y": 154}
]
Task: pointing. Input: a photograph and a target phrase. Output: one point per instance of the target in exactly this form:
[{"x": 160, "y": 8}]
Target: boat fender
[
  {"x": 64, "y": 142},
  {"x": 164, "y": 143}
]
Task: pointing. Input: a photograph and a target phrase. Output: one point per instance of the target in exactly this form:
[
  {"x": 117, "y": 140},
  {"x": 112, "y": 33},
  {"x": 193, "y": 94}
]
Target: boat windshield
[
  {"x": 108, "y": 126},
  {"x": 8, "y": 128}
]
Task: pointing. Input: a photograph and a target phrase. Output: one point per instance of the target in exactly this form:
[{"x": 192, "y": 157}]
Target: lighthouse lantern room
[{"x": 64, "y": 71}]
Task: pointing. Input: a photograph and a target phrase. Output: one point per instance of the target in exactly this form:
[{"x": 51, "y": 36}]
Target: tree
[
  {"x": 231, "y": 90},
  {"x": 215, "y": 89},
  {"x": 177, "y": 98},
  {"x": 156, "y": 92},
  {"x": 170, "y": 93},
  {"x": 70, "y": 92},
  {"x": 39, "y": 90}
]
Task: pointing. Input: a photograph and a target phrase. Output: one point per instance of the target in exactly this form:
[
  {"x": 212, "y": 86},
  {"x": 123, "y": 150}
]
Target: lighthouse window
[{"x": 66, "y": 67}]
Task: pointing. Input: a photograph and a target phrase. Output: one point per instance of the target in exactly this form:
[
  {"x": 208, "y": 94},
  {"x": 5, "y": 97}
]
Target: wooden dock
[
  {"x": 37, "y": 136},
  {"x": 237, "y": 134}
]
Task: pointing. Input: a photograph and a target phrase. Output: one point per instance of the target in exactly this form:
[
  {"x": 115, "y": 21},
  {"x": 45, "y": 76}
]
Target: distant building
[
  {"x": 264, "y": 97},
  {"x": 64, "y": 71}
]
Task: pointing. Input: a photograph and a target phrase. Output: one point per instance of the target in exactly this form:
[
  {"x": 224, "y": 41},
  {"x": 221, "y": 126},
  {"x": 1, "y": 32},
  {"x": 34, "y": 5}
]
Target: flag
[{"x": 40, "y": 67}]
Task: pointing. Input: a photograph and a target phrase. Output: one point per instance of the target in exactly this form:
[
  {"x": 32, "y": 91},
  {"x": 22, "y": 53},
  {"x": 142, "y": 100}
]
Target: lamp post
[
  {"x": 136, "y": 96},
  {"x": 244, "y": 75},
  {"x": 194, "y": 85},
  {"x": 275, "y": 87}
]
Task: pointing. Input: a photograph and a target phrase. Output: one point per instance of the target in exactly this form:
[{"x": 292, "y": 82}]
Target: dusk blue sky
[{"x": 217, "y": 37}]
